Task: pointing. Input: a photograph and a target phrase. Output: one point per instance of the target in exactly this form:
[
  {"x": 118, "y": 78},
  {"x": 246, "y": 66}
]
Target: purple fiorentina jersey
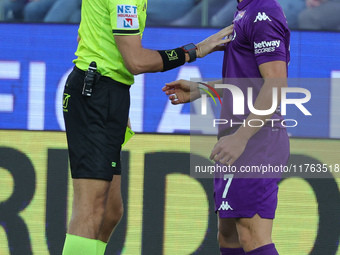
[{"x": 260, "y": 35}]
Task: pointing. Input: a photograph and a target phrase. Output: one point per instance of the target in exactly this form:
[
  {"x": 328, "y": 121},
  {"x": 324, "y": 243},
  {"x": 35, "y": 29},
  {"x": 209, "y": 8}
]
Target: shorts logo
[
  {"x": 172, "y": 54},
  {"x": 266, "y": 46},
  {"x": 225, "y": 206},
  {"x": 127, "y": 16},
  {"x": 262, "y": 17},
  {"x": 65, "y": 102},
  {"x": 113, "y": 164}
]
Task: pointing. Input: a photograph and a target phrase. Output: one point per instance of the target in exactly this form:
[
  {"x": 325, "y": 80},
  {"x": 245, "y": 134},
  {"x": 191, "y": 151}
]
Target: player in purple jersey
[{"x": 258, "y": 52}]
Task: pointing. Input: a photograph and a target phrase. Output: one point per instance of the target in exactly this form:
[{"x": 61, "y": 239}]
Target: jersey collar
[{"x": 243, "y": 4}]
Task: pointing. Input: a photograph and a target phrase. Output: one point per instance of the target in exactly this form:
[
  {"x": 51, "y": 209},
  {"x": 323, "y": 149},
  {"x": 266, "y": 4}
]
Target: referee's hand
[{"x": 215, "y": 42}]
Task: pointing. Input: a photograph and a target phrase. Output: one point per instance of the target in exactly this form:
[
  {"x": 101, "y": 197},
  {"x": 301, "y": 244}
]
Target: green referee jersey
[{"x": 100, "y": 21}]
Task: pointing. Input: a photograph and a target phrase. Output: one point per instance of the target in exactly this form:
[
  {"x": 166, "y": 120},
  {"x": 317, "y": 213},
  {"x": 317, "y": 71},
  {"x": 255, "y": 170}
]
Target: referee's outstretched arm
[{"x": 140, "y": 60}]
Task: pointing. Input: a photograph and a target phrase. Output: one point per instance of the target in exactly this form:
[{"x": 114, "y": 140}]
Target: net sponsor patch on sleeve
[{"x": 127, "y": 17}]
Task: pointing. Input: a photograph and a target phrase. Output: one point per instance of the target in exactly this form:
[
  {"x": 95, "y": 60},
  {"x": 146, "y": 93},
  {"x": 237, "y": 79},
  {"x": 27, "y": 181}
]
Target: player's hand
[
  {"x": 215, "y": 42},
  {"x": 181, "y": 91},
  {"x": 228, "y": 149},
  {"x": 129, "y": 123}
]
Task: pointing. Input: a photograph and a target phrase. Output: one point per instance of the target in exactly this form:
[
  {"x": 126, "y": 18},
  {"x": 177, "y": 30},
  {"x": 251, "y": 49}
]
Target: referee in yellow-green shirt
[{"x": 96, "y": 109}]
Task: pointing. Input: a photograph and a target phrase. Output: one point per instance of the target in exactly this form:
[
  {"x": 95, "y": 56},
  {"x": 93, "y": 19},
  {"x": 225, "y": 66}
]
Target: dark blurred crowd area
[
  {"x": 36, "y": 11},
  {"x": 301, "y": 14}
]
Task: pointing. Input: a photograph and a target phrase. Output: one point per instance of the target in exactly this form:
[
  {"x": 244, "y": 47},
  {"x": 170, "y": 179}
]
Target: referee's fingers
[
  {"x": 222, "y": 43},
  {"x": 227, "y": 29},
  {"x": 225, "y": 40}
]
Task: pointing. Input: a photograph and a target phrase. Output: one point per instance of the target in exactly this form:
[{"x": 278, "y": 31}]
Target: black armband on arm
[{"x": 172, "y": 58}]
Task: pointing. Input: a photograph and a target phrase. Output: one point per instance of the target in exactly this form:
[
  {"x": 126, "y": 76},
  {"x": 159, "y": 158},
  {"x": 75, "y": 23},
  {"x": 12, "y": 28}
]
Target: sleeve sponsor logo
[
  {"x": 266, "y": 46},
  {"x": 127, "y": 16},
  {"x": 261, "y": 17}
]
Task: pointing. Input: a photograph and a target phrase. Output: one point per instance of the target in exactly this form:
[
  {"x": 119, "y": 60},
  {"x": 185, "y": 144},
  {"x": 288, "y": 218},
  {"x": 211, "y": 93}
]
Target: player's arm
[
  {"x": 140, "y": 60},
  {"x": 183, "y": 91},
  {"x": 273, "y": 69},
  {"x": 275, "y": 76},
  {"x": 229, "y": 148}
]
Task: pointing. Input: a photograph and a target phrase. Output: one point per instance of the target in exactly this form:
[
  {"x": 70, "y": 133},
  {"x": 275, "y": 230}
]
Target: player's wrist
[
  {"x": 244, "y": 133},
  {"x": 195, "y": 92},
  {"x": 202, "y": 89}
]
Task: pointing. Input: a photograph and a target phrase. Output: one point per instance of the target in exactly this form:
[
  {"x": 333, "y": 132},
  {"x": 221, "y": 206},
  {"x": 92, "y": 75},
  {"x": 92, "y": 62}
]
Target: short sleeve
[
  {"x": 267, "y": 33},
  {"x": 124, "y": 17}
]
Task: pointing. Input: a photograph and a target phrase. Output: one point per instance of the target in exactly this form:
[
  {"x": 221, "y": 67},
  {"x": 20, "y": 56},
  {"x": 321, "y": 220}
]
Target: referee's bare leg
[
  {"x": 89, "y": 202},
  {"x": 97, "y": 209},
  {"x": 113, "y": 211}
]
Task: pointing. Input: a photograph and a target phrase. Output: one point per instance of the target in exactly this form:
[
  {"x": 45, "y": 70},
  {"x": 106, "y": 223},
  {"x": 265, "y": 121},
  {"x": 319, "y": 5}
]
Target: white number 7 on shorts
[{"x": 227, "y": 185}]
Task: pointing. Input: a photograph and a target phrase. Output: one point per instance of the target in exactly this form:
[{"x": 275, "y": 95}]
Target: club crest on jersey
[
  {"x": 239, "y": 16},
  {"x": 127, "y": 16},
  {"x": 261, "y": 17}
]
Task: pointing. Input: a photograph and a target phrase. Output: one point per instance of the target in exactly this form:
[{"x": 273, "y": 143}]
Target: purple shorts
[{"x": 237, "y": 196}]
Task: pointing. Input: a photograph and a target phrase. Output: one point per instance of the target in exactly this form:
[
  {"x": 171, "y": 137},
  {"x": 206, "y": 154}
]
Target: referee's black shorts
[{"x": 95, "y": 126}]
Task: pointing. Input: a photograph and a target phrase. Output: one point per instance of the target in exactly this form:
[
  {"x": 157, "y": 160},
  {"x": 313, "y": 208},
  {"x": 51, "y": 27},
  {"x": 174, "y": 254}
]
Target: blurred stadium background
[{"x": 166, "y": 210}]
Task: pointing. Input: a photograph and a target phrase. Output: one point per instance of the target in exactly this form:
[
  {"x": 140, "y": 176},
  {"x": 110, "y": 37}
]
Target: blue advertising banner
[{"x": 35, "y": 60}]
